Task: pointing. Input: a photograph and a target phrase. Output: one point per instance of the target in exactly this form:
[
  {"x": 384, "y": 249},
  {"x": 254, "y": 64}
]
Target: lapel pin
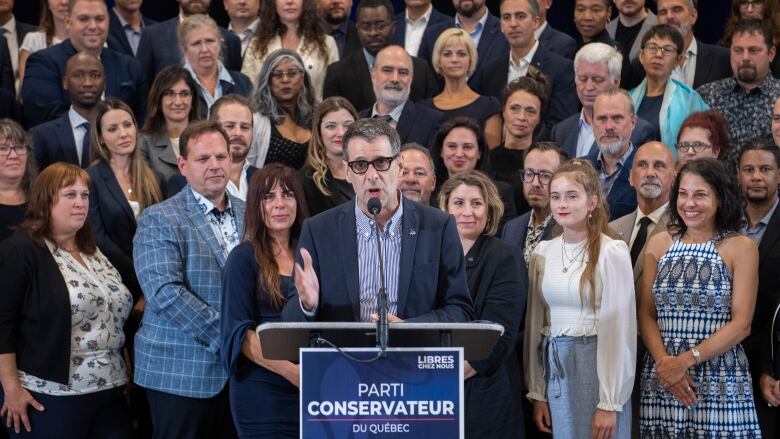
[{"x": 412, "y": 232}]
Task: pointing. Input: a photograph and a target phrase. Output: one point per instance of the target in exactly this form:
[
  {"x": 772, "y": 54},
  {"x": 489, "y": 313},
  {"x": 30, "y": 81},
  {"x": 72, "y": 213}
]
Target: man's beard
[
  {"x": 651, "y": 190},
  {"x": 747, "y": 74},
  {"x": 392, "y": 98},
  {"x": 611, "y": 148}
]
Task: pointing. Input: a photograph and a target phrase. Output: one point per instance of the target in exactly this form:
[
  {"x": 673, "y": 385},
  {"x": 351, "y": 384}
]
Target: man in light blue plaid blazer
[{"x": 180, "y": 248}]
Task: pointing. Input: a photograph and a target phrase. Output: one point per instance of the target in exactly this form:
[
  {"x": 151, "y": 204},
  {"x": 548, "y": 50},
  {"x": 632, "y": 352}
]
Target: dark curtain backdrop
[{"x": 709, "y": 28}]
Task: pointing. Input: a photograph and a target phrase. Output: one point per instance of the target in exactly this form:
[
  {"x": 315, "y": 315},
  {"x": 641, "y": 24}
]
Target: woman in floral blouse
[{"x": 61, "y": 316}]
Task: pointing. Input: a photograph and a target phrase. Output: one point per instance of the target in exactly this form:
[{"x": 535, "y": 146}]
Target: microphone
[{"x": 382, "y": 332}]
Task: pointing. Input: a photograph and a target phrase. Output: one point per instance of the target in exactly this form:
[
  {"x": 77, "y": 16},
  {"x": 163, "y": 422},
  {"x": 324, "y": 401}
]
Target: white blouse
[
  {"x": 315, "y": 65},
  {"x": 35, "y": 41},
  {"x": 555, "y": 308},
  {"x": 99, "y": 305}
]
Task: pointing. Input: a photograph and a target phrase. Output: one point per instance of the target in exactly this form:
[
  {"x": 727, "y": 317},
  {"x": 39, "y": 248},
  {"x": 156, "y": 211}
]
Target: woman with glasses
[
  {"x": 661, "y": 99},
  {"x": 497, "y": 291},
  {"x": 283, "y": 104},
  {"x": 703, "y": 135},
  {"x": 295, "y": 25},
  {"x": 696, "y": 305},
  {"x": 455, "y": 59},
  {"x": 767, "y": 11},
  {"x": 324, "y": 176},
  {"x": 580, "y": 324},
  {"x": 17, "y": 174},
  {"x": 525, "y": 100},
  {"x": 171, "y": 107},
  {"x": 200, "y": 43}
]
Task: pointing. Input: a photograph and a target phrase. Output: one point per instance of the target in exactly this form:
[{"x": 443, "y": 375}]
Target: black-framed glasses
[
  {"x": 528, "y": 176},
  {"x": 754, "y": 3},
  {"x": 381, "y": 164},
  {"x": 380, "y": 26},
  {"x": 290, "y": 74},
  {"x": 5, "y": 150},
  {"x": 696, "y": 146},
  {"x": 653, "y": 49},
  {"x": 170, "y": 94}
]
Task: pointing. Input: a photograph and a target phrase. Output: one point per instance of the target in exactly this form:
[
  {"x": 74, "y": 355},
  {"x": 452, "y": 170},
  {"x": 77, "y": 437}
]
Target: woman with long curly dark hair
[{"x": 296, "y": 25}]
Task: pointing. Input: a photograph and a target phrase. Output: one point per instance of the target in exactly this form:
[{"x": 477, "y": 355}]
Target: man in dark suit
[
  {"x": 485, "y": 30},
  {"x": 14, "y": 32},
  {"x": 159, "y": 46},
  {"x": 596, "y": 68},
  {"x": 42, "y": 91},
  {"x": 243, "y": 20},
  {"x": 759, "y": 175},
  {"x": 391, "y": 78},
  {"x": 552, "y": 39},
  {"x": 702, "y": 63},
  {"x": 125, "y": 26},
  {"x": 425, "y": 275},
  {"x": 351, "y": 77},
  {"x": 410, "y": 25},
  {"x": 66, "y": 138},
  {"x": 7, "y": 79},
  {"x": 519, "y": 20},
  {"x": 614, "y": 119},
  {"x": 338, "y": 25}
]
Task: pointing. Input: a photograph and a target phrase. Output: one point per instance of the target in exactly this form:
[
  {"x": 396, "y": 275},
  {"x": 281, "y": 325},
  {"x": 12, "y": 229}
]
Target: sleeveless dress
[{"x": 692, "y": 292}]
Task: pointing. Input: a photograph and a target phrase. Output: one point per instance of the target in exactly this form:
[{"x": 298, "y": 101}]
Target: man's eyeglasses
[
  {"x": 380, "y": 26},
  {"x": 653, "y": 49},
  {"x": 170, "y": 94},
  {"x": 754, "y": 3},
  {"x": 381, "y": 164},
  {"x": 6, "y": 149},
  {"x": 696, "y": 146},
  {"x": 290, "y": 74},
  {"x": 528, "y": 176}
]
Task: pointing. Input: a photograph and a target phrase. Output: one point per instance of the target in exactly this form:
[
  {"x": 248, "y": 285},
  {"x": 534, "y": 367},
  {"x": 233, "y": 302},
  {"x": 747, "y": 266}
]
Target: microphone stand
[{"x": 382, "y": 329}]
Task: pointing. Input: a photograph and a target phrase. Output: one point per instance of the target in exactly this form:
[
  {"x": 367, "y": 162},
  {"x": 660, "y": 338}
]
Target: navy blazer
[
  {"x": 558, "y": 42},
  {"x": 42, "y": 92},
  {"x": 417, "y": 123},
  {"x": 492, "y": 43},
  {"x": 7, "y": 79},
  {"x": 113, "y": 222},
  {"x": 117, "y": 39},
  {"x": 351, "y": 79},
  {"x": 399, "y": 37},
  {"x": 159, "y": 48},
  {"x": 491, "y": 80},
  {"x": 241, "y": 86},
  {"x": 432, "y": 284},
  {"x": 53, "y": 142},
  {"x": 622, "y": 198},
  {"x": 566, "y": 132},
  {"x": 516, "y": 229}
]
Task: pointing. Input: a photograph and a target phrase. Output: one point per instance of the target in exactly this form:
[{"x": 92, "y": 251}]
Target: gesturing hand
[{"x": 306, "y": 282}]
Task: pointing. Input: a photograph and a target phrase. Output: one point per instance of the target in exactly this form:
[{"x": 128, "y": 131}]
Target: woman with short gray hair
[{"x": 283, "y": 105}]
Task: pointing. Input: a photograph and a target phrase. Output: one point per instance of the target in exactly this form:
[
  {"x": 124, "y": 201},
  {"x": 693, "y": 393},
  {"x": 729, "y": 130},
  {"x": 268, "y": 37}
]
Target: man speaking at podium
[{"x": 337, "y": 268}]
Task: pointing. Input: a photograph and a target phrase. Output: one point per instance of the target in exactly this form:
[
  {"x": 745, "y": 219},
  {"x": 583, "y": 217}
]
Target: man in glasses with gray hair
[{"x": 337, "y": 274}]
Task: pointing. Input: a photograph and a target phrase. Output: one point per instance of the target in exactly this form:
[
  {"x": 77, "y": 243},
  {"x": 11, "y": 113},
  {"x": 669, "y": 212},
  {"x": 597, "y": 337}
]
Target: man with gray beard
[
  {"x": 391, "y": 78},
  {"x": 614, "y": 119},
  {"x": 652, "y": 174}
]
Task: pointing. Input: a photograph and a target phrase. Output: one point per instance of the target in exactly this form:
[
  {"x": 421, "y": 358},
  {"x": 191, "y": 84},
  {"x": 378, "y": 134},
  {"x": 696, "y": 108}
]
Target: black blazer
[
  {"x": 113, "y": 222},
  {"x": 556, "y": 41},
  {"x": 351, "y": 78},
  {"x": 7, "y": 79},
  {"x": 417, "y": 123},
  {"x": 399, "y": 37},
  {"x": 566, "y": 132},
  {"x": 315, "y": 200},
  {"x": 159, "y": 48},
  {"x": 117, "y": 39},
  {"x": 53, "y": 142},
  {"x": 35, "y": 317},
  {"x": 516, "y": 229},
  {"x": 352, "y": 43},
  {"x": 241, "y": 86},
  {"x": 492, "y": 44},
  {"x": 499, "y": 291},
  {"x": 492, "y": 78},
  {"x": 44, "y": 97}
]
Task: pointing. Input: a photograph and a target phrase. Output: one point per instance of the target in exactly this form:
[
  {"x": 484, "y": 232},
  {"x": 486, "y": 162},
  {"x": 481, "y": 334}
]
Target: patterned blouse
[{"x": 99, "y": 305}]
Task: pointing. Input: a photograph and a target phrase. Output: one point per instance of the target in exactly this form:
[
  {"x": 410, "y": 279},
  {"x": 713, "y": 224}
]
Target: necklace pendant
[{"x": 564, "y": 269}]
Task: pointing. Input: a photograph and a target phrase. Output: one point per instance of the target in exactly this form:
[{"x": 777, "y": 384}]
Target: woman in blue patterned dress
[{"x": 696, "y": 305}]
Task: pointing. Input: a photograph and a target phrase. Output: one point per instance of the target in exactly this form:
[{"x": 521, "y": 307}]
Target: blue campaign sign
[{"x": 412, "y": 393}]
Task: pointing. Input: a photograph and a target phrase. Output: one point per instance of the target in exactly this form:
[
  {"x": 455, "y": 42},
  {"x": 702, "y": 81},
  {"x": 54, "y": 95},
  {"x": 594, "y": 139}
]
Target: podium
[
  {"x": 282, "y": 341},
  {"x": 347, "y": 389}
]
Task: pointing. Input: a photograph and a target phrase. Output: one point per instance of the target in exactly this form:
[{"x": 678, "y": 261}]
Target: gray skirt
[{"x": 573, "y": 387}]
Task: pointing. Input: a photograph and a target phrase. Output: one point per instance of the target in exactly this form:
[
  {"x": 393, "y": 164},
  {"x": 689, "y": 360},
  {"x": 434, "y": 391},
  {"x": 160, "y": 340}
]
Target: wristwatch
[{"x": 696, "y": 355}]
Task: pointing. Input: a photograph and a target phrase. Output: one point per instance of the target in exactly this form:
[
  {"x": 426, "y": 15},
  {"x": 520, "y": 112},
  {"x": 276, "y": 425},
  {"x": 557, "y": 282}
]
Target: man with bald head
[
  {"x": 391, "y": 78},
  {"x": 45, "y": 98},
  {"x": 66, "y": 139}
]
